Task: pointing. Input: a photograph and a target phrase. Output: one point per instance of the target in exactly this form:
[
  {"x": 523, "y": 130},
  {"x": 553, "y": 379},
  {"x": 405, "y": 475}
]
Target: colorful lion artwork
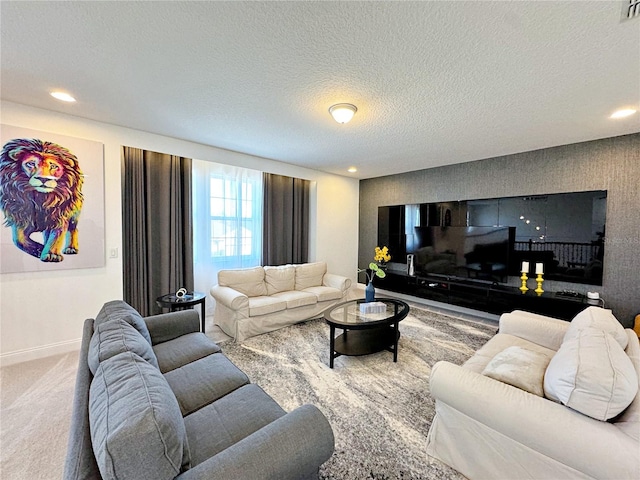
[{"x": 41, "y": 191}]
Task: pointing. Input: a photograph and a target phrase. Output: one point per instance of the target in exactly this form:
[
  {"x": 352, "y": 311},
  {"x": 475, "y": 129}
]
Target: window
[
  {"x": 233, "y": 220},
  {"x": 227, "y": 220}
]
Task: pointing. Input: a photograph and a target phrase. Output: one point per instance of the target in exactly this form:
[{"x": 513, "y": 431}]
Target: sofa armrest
[
  {"x": 229, "y": 297},
  {"x": 290, "y": 448},
  {"x": 597, "y": 448},
  {"x": 336, "y": 281},
  {"x": 541, "y": 330},
  {"x": 167, "y": 326}
]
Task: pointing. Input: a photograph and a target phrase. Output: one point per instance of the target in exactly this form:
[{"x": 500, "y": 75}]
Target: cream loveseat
[
  {"x": 252, "y": 301},
  {"x": 582, "y": 421}
]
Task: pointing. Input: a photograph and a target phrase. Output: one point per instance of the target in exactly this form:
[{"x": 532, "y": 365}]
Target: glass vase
[{"x": 369, "y": 292}]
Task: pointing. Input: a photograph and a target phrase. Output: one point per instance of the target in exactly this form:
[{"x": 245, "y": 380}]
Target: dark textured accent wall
[{"x": 611, "y": 164}]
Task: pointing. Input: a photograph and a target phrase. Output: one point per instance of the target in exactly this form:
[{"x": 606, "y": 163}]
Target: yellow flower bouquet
[
  {"x": 380, "y": 258},
  {"x": 382, "y": 255}
]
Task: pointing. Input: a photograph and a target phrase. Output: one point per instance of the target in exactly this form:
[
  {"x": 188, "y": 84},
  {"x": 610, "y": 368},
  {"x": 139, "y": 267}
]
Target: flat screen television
[
  {"x": 467, "y": 252},
  {"x": 563, "y": 231}
]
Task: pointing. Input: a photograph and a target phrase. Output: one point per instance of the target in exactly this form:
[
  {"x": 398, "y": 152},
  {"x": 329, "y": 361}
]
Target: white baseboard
[{"x": 36, "y": 353}]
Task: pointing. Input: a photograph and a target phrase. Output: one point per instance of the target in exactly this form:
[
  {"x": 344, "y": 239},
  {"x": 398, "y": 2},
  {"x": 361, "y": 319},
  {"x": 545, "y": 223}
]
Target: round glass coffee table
[{"x": 365, "y": 333}]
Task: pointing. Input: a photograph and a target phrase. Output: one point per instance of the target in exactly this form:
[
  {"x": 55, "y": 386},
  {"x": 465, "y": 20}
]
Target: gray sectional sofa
[{"x": 156, "y": 399}]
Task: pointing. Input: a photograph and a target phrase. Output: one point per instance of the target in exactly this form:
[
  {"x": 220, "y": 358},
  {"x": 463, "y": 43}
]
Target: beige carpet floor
[
  {"x": 35, "y": 412},
  {"x": 34, "y": 420}
]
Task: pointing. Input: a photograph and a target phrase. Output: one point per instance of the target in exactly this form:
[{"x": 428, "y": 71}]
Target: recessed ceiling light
[
  {"x": 352, "y": 170},
  {"x": 65, "y": 97},
  {"x": 625, "y": 112}
]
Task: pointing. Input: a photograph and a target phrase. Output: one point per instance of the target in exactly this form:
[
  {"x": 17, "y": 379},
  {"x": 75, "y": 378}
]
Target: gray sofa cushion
[
  {"x": 228, "y": 420},
  {"x": 204, "y": 381},
  {"x": 121, "y": 309},
  {"x": 137, "y": 431},
  {"x": 116, "y": 336},
  {"x": 289, "y": 448},
  {"x": 183, "y": 350}
]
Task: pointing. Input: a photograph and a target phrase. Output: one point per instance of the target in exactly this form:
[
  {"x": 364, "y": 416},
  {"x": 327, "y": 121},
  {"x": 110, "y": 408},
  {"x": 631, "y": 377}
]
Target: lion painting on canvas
[{"x": 41, "y": 191}]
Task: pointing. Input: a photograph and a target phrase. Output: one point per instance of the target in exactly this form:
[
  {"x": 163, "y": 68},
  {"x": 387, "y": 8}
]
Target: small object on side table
[{"x": 188, "y": 300}]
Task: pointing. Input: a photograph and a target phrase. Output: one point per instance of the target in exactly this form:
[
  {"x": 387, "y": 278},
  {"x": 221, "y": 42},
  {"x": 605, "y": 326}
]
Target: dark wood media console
[{"x": 484, "y": 296}]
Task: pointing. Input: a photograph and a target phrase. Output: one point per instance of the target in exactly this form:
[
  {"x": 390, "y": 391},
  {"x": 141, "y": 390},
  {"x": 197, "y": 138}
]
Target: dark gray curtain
[
  {"x": 156, "y": 227},
  {"x": 285, "y": 220}
]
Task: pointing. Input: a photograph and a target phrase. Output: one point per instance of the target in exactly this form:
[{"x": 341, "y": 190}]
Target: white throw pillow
[
  {"x": 310, "y": 275},
  {"x": 592, "y": 374},
  {"x": 520, "y": 367},
  {"x": 280, "y": 279},
  {"x": 598, "y": 318}
]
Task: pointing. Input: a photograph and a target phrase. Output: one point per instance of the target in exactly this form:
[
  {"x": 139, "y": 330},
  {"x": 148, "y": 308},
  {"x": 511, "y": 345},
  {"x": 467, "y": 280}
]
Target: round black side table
[{"x": 173, "y": 303}]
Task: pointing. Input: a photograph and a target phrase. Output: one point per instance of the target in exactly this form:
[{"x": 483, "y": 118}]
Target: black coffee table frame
[{"x": 362, "y": 335}]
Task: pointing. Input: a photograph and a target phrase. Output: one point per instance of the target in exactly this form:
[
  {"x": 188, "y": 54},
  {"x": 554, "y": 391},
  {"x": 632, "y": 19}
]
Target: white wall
[{"x": 41, "y": 313}]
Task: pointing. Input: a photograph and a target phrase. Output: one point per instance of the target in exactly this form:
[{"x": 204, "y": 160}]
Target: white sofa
[
  {"x": 258, "y": 300},
  {"x": 489, "y": 429}
]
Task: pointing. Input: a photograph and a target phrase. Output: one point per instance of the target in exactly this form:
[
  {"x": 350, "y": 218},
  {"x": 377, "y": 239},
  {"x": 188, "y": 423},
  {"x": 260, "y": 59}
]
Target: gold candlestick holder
[
  {"x": 524, "y": 279},
  {"x": 539, "y": 281}
]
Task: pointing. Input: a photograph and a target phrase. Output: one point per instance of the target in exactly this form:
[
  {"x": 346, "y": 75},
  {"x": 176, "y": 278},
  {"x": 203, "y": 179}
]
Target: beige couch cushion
[
  {"x": 265, "y": 305},
  {"x": 325, "y": 293},
  {"x": 249, "y": 281},
  {"x": 310, "y": 275},
  {"x": 591, "y": 373},
  {"x": 295, "y": 298},
  {"x": 280, "y": 279},
  {"x": 520, "y": 367},
  {"x": 598, "y": 318}
]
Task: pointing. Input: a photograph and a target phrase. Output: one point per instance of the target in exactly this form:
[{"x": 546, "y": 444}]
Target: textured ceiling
[{"x": 435, "y": 83}]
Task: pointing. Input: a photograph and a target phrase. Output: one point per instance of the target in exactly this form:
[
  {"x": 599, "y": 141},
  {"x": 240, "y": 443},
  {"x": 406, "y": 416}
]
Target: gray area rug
[{"x": 380, "y": 411}]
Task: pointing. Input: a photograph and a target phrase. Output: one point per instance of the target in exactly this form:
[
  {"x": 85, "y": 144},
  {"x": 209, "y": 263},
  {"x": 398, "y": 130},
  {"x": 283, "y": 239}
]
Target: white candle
[
  {"x": 539, "y": 270},
  {"x": 525, "y": 267}
]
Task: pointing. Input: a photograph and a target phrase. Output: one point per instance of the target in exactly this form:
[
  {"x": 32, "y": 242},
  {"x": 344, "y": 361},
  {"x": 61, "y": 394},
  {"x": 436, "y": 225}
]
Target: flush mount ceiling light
[
  {"x": 352, "y": 170},
  {"x": 65, "y": 97},
  {"x": 342, "y": 112},
  {"x": 625, "y": 112}
]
